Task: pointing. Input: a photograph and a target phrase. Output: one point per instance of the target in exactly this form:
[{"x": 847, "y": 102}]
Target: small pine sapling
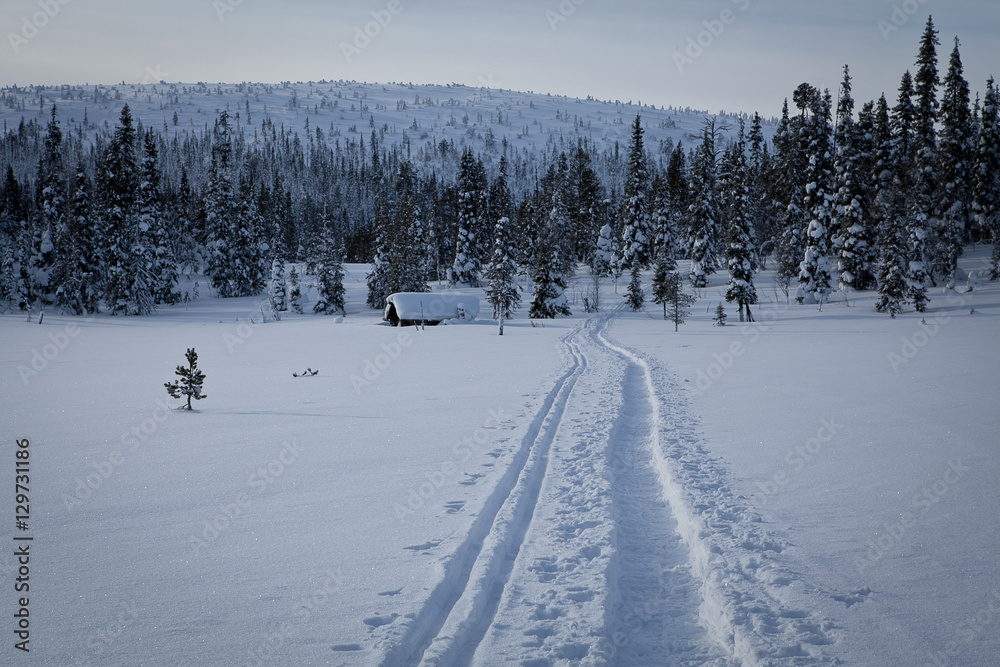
[
  {"x": 190, "y": 383},
  {"x": 678, "y": 301},
  {"x": 720, "y": 316}
]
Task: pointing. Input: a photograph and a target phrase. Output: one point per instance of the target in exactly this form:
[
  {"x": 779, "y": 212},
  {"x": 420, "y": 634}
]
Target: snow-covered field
[{"x": 819, "y": 487}]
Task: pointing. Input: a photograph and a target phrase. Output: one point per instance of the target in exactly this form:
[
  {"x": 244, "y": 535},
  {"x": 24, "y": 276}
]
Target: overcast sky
[{"x": 719, "y": 54}]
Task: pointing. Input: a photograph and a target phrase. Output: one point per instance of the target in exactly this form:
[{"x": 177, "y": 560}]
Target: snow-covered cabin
[{"x": 408, "y": 308}]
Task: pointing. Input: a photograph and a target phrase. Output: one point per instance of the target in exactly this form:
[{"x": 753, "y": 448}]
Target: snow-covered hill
[{"x": 421, "y": 115}]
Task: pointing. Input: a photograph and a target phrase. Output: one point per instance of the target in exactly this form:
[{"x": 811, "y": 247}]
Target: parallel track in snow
[{"x": 461, "y": 608}]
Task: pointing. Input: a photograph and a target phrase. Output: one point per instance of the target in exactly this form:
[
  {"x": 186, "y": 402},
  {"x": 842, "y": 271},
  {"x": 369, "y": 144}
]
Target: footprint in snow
[
  {"x": 855, "y": 597},
  {"x": 454, "y": 506},
  {"x": 379, "y": 621},
  {"x": 346, "y": 647},
  {"x": 472, "y": 479},
  {"x": 426, "y": 546},
  {"x": 392, "y": 593}
]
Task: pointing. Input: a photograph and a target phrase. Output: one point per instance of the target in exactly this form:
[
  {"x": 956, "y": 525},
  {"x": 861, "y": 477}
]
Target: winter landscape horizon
[{"x": 672, "y": 387}]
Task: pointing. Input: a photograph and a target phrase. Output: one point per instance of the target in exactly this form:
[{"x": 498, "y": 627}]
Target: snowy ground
[{"x": 817, "y": 488}]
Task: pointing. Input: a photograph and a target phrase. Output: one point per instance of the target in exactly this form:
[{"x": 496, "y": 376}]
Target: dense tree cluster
[{"x": 882, "y": 198}]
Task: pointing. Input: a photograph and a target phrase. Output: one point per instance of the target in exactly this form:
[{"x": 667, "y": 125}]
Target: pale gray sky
[{"x": 720, "y": 54}]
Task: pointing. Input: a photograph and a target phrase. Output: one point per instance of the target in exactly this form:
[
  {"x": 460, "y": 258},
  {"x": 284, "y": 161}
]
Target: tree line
[{"x": 878, "y": 198}]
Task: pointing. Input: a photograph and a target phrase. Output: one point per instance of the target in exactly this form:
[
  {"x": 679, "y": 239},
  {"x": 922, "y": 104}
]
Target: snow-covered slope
[{"x": 422, "y": 115}]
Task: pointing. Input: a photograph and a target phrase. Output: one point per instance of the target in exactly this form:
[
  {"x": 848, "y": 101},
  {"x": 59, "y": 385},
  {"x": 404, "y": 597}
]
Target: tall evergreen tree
[
  {"x": 52, "y": 216},
  {"x": 79, "y": 268},
  {"x": 703, "y": 213},
  {"x": 467, "y": 265},
  {"x": 784, "y": 186},
  {"x": 330, "y": 275},
  {"x": 637, "y": 235},
  {"x": 957, "y": 148},
  {"x": 815, "y": 280},
  {"x": 852, "y": 204},
  {"x": 118, "y": 185},
  {"x": 924, "y": 197},
  {"x": 740, "y": 252},
  {"x": 14, "y": 244},
  {"x": 502, "y": 291},
  {"x": 221, "y": 211},
  {"x": 907, "y": 207},
  {"x": 986, "y": 177},
  {"x": 156, "y": 246}
]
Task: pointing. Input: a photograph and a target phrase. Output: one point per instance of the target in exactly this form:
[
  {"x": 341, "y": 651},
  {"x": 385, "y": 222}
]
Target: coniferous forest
[{"x": 835, "y": 194}]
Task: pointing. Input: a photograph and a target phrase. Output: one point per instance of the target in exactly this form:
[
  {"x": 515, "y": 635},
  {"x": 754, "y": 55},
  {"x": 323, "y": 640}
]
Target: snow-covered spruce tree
[
  {"x": 249, "y": 246},
  {"x": 14, "y": 244},
  {"x": 398, "y": 266},
  {"x": 892, "y": 283},
  {"x": 277, "y": 289},
  {"x": 118, "y": 186},
  {"x": 635, "y": 295},
  {"x": 50, "y": 222},
  {"x": 190, "y": 383},
  {"x": 79, "y": 287},
  {"x": 551, "y": 265},
  {"x": 330, "y": 276},
  {"x": 956, "y": 155},
  {"x": 155, "y": 247},
  {"x": 295, "y": 291},
  {"x": 719, "y": 319},
  {"x": 603, "y": 256},
  {"x": 986, "y": 178},
  {"x": 637, "y": 234},
  {"x": 815, "y": 281},
  {"x": 665, "y": 219},
  {"x": 852, "y": 203},
  {"x": 909, "y": 206},
  {"x": 586, "y": 210},
  {"x": 740, "y": 252},
  {"x": 924, "y": 196},
  {"x": 785, "y": 185},
  {"x": 703, "y": 213},
  {"x": 220, "y": 211},
  {"x": 502, "y": 290},
  {"x": 467, "y": 265},
  {"x": 549, "y": 297}
]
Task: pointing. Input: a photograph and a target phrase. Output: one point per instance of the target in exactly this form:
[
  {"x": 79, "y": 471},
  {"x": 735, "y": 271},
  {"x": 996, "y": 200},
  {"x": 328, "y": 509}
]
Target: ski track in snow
[
  {"x": 614, "y": 538},
  {"x": 457, "y": 607}
]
